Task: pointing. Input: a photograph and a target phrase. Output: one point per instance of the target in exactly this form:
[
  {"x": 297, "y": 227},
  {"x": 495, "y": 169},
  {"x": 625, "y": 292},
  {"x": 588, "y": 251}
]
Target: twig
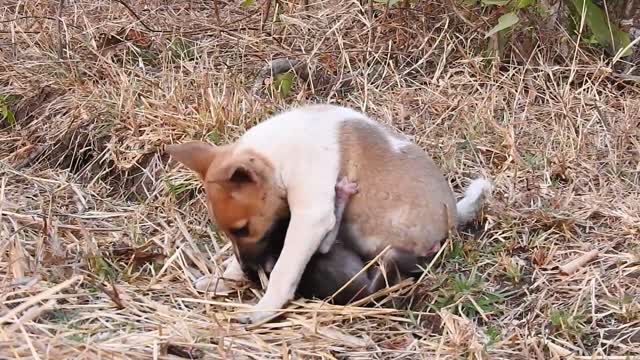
[
  {"x": 265, "y": 14},
  {"x": 216, "y": 10},
  {"x": 124, "y": 3},
  {"x": 579, "y": 262},
  {"x": 60, "y": 35},
  {"x": 627, "y": 77}
]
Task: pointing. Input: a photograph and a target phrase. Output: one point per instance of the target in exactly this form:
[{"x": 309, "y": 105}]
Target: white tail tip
[{"x": 467, "y": 208}]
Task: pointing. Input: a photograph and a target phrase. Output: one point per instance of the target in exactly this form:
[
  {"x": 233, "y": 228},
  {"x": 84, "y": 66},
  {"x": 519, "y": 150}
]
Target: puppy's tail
[{"x": 475, "y": 195}]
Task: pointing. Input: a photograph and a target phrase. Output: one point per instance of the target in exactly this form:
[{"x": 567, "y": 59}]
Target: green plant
[
  {"x": 513, "y": 272},
  {"x": 468, "y": 294},
  {"x": 463, "y": 252},
  {"x": 626, "y": 308},
  {"x": 102, "y": 268},
  {"x": 603, "y": 30},
  {"x": 182, "y": 49},
  {"x": 456, "y": 253},
  {"x": 283, "y": 83},
  {"x": 214, "y": 137},
  {"x": 177, "y": 188},
  {"x": 505, "y": 22},
  {"x": 387, "y": 2},
  {"x": 510, "y": 18},
  {"x": 494, "y": 334},
  {"x": 567, "y": 323},
  {"x": 5, "y": 112}
]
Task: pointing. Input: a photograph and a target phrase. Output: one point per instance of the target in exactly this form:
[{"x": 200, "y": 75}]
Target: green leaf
[
  {"x": 247, "y": 3},
  {"x": 102, "y": 268},
  {"x": 283, "y": 83},
  {"x": 504, "y": 22},
  {"x": 495, "y": 2},
  {"x": 391, "y": 2},
  {"x": 521, "y": 4},
  {"x": 605, "y": 32},
  {"x": 5, "y": 113}
]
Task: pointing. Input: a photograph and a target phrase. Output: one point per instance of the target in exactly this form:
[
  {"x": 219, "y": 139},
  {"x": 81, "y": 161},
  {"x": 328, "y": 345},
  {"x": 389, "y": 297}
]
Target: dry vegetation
[{"x": 101, "y": 237}]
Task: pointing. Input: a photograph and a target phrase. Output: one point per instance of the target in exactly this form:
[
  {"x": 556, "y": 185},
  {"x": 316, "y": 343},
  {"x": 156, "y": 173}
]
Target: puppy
[{"x": 288, "y": 165}]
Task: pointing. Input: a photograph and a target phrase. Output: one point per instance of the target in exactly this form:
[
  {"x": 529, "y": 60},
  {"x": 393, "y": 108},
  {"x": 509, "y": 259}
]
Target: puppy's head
[{"x": 242, "y": 197}]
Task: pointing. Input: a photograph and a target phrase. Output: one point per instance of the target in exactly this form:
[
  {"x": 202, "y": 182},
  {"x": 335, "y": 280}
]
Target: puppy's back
[{"x": 404, "y": 200}]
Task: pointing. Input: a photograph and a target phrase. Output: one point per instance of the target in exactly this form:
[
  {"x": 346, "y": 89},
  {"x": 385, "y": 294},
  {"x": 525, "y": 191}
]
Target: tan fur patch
[{"x": 402, "y": 193}]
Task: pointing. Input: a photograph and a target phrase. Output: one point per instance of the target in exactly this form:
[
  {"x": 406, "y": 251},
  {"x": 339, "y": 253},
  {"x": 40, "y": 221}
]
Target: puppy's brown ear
[{"x": 196, "y": 155}]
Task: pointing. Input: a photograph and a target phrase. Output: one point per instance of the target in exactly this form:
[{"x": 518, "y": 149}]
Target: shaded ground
[{"x": 101, "y": 238}]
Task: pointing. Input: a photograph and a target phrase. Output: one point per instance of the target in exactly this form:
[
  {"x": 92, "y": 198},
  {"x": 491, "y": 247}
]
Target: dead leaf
[
  {"x": 540, "y": 257},
  {"x": 108, "y": 43},
  {"x": 18, "y": 258},
  {"x": 184, "y": 351},
  {"x": 138, "y": 256}
]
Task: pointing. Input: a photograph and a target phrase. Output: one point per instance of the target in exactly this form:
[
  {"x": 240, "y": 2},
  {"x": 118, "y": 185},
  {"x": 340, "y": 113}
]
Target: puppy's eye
[{"x": 240, "y": 232}]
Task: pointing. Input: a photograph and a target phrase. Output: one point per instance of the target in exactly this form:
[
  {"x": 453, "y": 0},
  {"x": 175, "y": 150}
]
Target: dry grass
[{"x": 101, "y": 239}]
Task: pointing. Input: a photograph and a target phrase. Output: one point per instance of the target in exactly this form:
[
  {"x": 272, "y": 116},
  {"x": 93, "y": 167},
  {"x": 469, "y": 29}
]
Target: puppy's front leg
[{"x": 310, "y": 222}]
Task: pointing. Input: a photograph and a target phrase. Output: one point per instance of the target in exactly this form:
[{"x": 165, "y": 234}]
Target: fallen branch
[{"x": 572, "y": 266}]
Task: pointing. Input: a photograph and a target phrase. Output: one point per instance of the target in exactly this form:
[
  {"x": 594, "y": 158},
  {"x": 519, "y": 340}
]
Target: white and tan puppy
[{"x": 289, "y": 165}]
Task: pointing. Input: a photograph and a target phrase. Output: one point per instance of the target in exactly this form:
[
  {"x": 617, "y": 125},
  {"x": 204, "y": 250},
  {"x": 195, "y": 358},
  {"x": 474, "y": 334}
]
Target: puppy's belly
[{"x": 412, "y": 228}]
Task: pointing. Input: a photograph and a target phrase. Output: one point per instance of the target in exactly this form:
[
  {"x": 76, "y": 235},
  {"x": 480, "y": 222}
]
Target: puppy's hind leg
[
  {"x": 344, "y": 190},
  {"x": 396, "y": 264}
]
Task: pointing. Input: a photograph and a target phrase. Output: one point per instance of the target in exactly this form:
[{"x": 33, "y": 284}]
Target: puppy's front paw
[
  {"x": 211, "y": 283},
  {"x": 325, "y": 245},
  {"x": 256, "y": 317}
]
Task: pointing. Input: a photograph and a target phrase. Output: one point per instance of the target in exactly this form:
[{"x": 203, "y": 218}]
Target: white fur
[
  {"x": 397, "y": 144},
  {"x": 467, "y": 208},
  {"x": 302, "y": 142},
  {"x": 303, "y": 145}
]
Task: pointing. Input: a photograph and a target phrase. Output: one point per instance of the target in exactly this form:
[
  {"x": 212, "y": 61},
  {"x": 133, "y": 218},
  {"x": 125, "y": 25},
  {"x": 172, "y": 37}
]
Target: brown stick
[
  {"x": 60, "y": 40},
  {"x": 572, "y": 266},
  {"x": 265, "y": 13},
  {"x": 216, "y": 10}
]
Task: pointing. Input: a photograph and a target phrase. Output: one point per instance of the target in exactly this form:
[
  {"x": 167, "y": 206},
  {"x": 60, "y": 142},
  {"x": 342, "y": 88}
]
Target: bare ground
[{"x": 101, "y": 236}]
